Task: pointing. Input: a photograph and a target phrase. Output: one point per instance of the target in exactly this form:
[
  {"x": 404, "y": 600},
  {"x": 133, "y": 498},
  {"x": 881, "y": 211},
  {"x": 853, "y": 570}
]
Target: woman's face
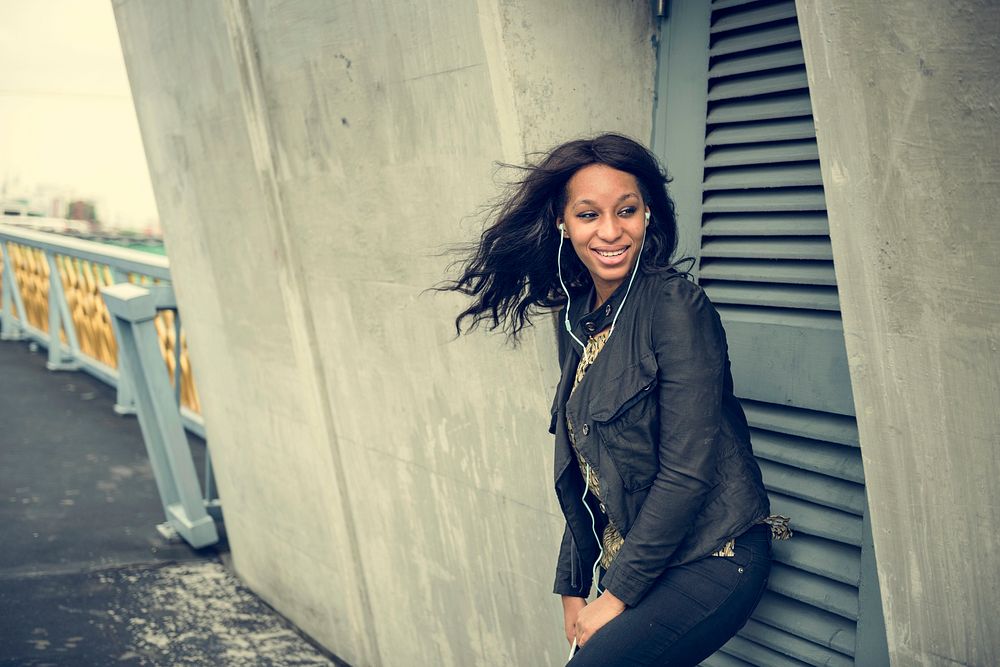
[{"x": 605, "y": 221}]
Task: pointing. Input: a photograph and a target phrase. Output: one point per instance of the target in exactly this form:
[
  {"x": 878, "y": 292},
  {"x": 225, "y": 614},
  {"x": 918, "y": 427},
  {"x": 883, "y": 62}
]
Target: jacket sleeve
[
  {"x": 570, "y": 577},
  {"x": 690, "y": 349}
]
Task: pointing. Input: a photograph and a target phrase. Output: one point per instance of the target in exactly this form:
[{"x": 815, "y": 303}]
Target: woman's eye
[
  {"x": 627, "y": 211},
  {"x": 587, "y": 215}
]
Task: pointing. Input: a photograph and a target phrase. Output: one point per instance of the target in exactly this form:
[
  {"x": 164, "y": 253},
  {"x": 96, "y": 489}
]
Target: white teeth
[{"x": 602, "y": 253}]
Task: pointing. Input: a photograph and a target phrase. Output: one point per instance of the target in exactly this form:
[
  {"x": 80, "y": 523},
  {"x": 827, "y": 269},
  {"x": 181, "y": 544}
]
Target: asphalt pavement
[{"x": 85, "y": 577}]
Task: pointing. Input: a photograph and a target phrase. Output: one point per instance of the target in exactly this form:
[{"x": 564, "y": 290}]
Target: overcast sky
[{"x": 66, "y": 114}]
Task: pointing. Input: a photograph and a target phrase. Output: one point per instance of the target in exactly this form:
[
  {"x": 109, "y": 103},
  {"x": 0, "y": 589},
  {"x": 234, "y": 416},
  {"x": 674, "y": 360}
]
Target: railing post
[
  {"x": 132, "y": 309},
  {"x": 59, "y": 319},
  {"x": 124, "y": 401},
  {"x": 10, "y": 328},
  {"x": 177, "y": 357}
]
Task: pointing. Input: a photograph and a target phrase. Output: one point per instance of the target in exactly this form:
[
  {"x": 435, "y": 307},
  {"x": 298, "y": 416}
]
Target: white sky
[{"x": 66, "y": 114}]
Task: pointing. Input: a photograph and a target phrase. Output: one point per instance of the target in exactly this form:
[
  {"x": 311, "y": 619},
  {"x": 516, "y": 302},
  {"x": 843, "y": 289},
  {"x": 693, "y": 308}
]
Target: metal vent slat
[
  {"x": 796, "y": 647},
  {"x": 763, "y": 176},
  {"x": 805, "y": 423},
  {"x": 720, "y": 659},
  {"x": 769, "y": 247},
  {"x": 756, "y": 654},
  {"x": 757, "y": 61},
  {"x": 778, "y": 81},
  {"x": 741, "y": 111},
  {"x": 833, "y": 560},
  {"x": 768, "y": 224},
  {"x": 815, "y": 297},
  {"x": 816, "y": 625},
  {"x": 821, "y": 592},
  {"x": 800, "y": 150},
  {"x": 780, "y": 317},
  {"x": 814, "y": 487},
  {"x": 784, "y": 129},
  {"x": 807, "y": 454},
  {"x": 754, "y": 17},
  {"x": 788, "y": 199},
  {"x": 718, "y": 5},
  {"x": 817, "y": 520},
  {"x": 776, "y": 271},
  {"x": 758, "y": 39}
]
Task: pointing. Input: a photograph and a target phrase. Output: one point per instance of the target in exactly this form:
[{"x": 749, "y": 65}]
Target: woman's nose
[{"x": 609, "y": 229}]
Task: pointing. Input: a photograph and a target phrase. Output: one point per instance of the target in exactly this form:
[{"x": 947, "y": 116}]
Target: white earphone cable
[
  {"x": 635, "y": 270},
  {"x": 593, "y": 528},
  {"x": 569, "y": 327}
]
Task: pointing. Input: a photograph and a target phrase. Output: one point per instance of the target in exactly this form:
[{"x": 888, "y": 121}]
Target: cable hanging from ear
[{"x": 635, "y": 270}]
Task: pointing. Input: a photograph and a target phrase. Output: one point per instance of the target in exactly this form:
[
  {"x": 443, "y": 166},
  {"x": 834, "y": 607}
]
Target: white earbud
[{"x": 647, "y": 216}]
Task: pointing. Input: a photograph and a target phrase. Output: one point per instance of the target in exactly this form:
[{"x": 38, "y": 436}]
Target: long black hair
[{"x": 511, "y": 271}]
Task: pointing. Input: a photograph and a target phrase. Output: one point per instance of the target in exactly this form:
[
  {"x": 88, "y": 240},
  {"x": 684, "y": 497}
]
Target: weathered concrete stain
[{"x": 387, "y": 488}]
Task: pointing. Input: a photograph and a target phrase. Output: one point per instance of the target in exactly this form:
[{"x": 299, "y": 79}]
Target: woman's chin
[{"x": 610, "y": 277}]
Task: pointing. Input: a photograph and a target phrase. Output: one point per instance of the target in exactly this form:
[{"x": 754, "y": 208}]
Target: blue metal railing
[{"x": 138, "y": 371}]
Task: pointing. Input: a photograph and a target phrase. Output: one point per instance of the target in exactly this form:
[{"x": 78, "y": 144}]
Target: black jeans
[{"x": 690, "y": 611}]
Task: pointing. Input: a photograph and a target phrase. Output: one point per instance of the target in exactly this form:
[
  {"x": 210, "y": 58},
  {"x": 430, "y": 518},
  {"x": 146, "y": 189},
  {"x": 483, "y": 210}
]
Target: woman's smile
[{"x": 611, "y": 257}]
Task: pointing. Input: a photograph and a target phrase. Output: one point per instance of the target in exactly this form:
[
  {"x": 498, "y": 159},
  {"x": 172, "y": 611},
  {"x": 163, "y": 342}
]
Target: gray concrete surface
[
  {"x": 386, "y": 487},
  {"x": 85, "y": 578},
  {"x": 906, "y": 97}
]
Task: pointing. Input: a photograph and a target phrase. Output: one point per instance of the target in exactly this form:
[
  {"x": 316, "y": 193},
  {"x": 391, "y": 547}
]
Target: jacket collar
[{"x": 586, "y": 324}]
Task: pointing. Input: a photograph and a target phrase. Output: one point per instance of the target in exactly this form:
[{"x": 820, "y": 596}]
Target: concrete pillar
[
  {"x": 906, "y": 96},
  {"x": 384, "y": 486}
]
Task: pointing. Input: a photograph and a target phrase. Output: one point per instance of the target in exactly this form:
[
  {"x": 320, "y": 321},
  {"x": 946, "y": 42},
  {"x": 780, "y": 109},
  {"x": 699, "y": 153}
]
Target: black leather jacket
[{"x": 655, "y": 416}]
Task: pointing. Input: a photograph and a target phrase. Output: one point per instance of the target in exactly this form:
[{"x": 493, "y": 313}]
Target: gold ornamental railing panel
[{"x": 81, "y": 280}]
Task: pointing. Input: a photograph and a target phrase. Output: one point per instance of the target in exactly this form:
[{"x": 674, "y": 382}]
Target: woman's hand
[
  {"x": 571, "y": 608},
  {"x": 595, "y": 615}
]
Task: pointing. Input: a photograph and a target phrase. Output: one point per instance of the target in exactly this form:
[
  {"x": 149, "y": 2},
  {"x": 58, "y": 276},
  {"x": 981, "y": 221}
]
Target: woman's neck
[{"x": 602, "y": 294}]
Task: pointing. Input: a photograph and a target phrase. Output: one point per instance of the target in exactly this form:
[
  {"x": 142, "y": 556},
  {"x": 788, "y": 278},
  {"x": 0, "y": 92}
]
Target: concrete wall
[
  {"x": 387, "y": 488},
  {"x": 906, "y": 96}
]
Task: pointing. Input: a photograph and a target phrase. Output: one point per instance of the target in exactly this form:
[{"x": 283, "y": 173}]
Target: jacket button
[
  {"x": 607, "y": 310},
  {"x": 603, "y": 508},
  {"x": 586, "y": 429},
  {"x": 590, "y": 327}
]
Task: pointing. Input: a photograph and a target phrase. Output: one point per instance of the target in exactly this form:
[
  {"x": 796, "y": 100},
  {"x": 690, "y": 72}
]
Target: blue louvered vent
[{"x": 767, "y": 264}]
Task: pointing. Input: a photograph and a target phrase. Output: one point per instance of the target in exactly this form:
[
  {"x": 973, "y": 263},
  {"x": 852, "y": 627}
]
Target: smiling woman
[{"x": 664, "y": 504}]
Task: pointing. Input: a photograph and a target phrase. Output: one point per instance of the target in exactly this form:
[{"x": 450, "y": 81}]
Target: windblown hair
[{"x": 511, "y": 272}]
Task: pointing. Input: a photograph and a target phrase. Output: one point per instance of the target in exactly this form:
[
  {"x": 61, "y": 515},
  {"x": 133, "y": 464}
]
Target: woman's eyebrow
[{"x": 625, "y": 196}]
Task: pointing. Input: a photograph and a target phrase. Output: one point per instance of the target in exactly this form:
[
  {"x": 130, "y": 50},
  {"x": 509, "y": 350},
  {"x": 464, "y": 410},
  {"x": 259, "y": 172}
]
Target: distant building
[
  {"x": 83, "y": 209},
  {"x": 21, "y": 206}
]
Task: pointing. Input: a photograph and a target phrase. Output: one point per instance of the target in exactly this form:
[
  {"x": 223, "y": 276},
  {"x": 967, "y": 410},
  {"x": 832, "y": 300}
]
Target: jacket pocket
[{"x": 626, "y": 416}]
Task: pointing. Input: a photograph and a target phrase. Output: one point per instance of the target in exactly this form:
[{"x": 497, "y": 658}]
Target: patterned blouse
[{"x": 612, "y": 539}]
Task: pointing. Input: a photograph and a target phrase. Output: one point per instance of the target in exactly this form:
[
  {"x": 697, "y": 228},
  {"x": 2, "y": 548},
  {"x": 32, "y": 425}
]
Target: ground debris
[{"x": 199, "y": 613}]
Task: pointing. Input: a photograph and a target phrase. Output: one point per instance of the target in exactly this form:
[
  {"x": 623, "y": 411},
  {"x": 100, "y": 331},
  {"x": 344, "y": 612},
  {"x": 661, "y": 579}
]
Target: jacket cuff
[
  {"x": 567, "y": 589},
  {"x": 624, "y": 583},
  {"x": 564, "y": 585}
]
